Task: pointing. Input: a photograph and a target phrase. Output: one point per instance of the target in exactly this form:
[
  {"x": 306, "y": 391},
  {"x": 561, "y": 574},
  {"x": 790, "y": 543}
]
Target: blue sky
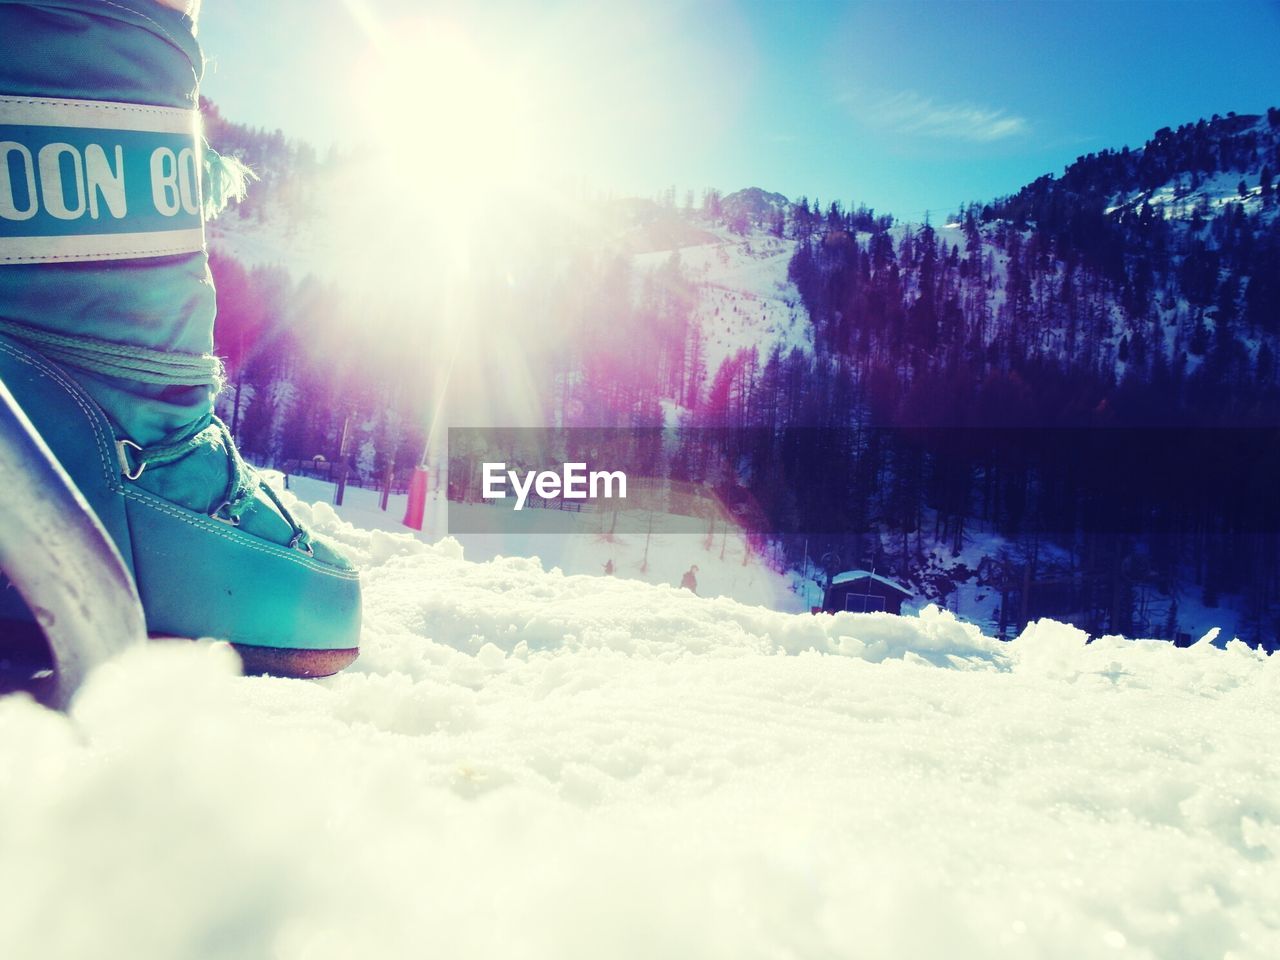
[{"x": 908, "y": 107}]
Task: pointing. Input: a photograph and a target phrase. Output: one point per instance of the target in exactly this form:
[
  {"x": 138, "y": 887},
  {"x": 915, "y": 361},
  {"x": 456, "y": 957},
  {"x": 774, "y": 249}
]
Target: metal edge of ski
[{"x": 61, "y": 560}]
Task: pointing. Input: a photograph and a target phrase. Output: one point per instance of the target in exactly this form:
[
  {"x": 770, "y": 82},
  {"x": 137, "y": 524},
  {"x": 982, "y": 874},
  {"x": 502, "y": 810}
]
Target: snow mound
[{"x": 524, "y": 763}]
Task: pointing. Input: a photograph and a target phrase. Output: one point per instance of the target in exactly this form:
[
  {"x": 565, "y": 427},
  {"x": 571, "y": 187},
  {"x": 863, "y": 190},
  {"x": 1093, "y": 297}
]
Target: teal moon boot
[{"x": 106, "y": 333}]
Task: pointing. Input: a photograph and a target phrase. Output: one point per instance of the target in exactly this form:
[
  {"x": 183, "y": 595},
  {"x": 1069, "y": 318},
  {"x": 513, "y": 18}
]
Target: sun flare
[{"x": 453, "y": 128}]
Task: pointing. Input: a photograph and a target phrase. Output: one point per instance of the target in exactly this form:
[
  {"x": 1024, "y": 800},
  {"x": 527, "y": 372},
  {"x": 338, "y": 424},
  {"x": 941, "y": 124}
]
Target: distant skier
[
  {"x": 690, "y": 579},
  {"x": 608, "y": 567}
]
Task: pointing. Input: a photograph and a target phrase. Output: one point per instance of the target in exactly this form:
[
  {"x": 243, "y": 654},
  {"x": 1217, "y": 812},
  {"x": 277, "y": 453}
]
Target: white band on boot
[{"x": 92, "y": 180}]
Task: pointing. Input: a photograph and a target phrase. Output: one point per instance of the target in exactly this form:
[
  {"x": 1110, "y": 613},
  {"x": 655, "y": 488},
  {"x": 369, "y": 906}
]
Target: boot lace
[{"x": 169, "y": 368}]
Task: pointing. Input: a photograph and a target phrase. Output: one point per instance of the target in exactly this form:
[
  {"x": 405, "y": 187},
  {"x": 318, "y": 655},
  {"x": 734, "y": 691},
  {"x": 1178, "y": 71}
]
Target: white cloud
[{"x": 910, "y": 113}]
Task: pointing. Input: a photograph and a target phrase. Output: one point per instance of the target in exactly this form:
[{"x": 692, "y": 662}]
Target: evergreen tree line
[
  {"x": 1055, "y": 310},
  {"x": 299, "y": 370}
]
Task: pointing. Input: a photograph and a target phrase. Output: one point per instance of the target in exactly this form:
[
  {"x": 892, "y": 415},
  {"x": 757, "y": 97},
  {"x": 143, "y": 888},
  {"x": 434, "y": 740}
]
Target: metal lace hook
[
  {"x": 127, "y": 469},
  {"x": 230, "y": 519}
]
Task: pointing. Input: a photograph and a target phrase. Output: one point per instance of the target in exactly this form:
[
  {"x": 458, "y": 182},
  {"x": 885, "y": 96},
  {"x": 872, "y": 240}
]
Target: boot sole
[{"x": 298, "y": 664}]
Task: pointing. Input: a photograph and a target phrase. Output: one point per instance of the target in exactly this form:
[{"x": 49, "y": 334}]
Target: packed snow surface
[{"x": 530, "y": 764}]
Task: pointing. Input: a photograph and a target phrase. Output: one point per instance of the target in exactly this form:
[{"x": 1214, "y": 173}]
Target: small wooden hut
[{"x": 862, "y": 591}]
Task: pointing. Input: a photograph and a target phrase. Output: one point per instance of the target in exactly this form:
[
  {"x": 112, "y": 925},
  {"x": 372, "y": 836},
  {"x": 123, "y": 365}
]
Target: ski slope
[
  {"x": 525, "y": 763},
  {"x": 744, "y": 298}
]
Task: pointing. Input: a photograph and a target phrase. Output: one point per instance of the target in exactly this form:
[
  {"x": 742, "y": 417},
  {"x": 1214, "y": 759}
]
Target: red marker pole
[{"x": 417, "y": 505}]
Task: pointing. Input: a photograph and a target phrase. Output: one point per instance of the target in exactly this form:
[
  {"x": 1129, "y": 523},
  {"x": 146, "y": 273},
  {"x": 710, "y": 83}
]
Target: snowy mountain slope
[
  {"x": 754, "y": 206},
  {"x": 1186, "y": 193},
  {"x": 744, "y": 299},
  {"x": 529, "y": 764}
]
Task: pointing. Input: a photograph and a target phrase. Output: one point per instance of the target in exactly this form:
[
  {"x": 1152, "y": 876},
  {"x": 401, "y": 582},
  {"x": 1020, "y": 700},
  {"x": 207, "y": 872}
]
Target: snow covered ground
[
  {"x": 532, "y": 764},
  {"x": 676, "y": 544}
]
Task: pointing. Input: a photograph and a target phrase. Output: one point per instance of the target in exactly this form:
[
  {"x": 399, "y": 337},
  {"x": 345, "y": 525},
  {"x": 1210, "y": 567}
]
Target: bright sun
[
  {"x": 452, "y": 129},
  {"x": 451, "y": 152}
]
